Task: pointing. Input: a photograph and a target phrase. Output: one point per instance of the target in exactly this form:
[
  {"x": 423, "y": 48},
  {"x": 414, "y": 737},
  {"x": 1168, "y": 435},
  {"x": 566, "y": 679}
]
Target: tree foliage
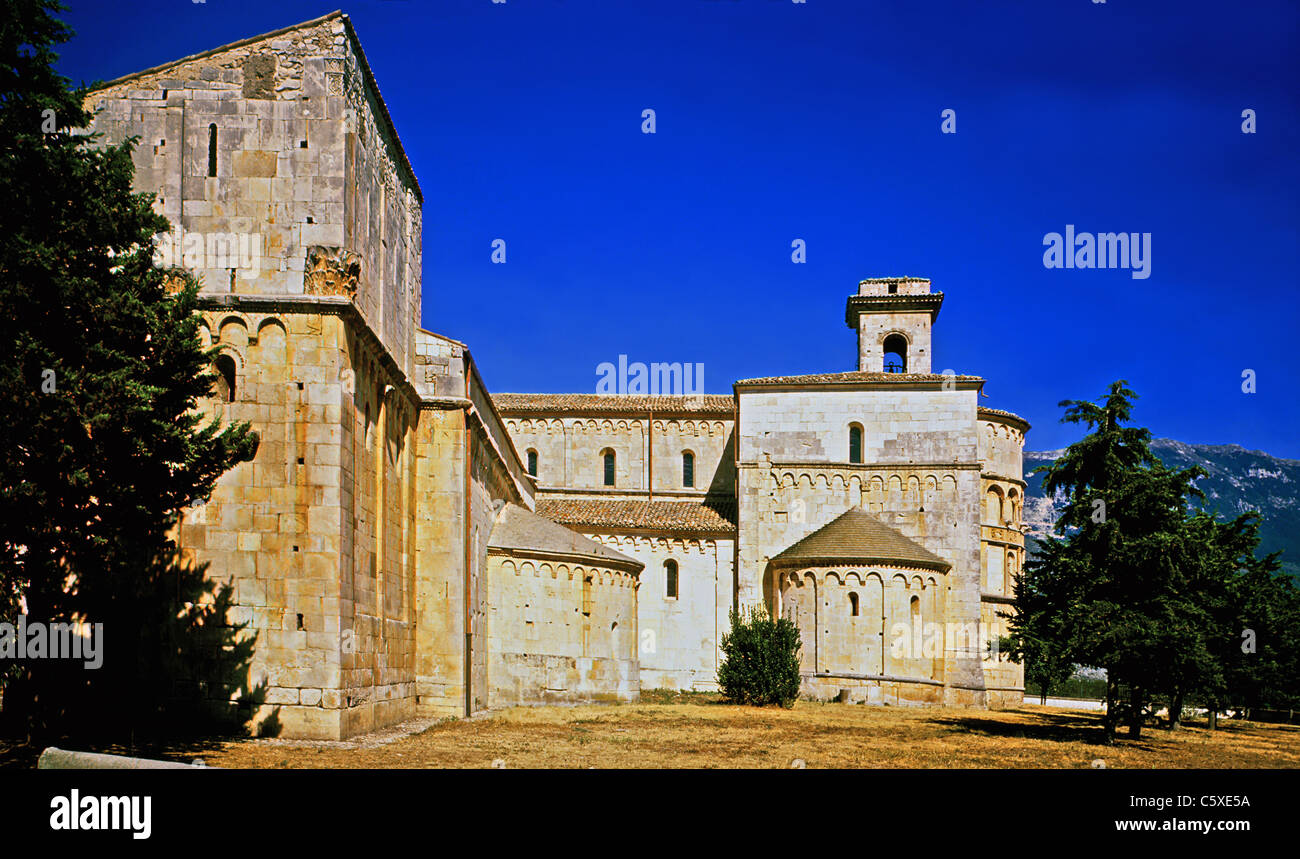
[
  {"x": 760, "y": 663},
  {"x": 101, "y": 371},
  {"x": 1142, "y": 582}
]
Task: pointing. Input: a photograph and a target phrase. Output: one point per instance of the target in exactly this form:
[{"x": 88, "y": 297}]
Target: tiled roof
[
  {"x": 711, "y": 404},
  {"x": 854, "y": 376},
  {"x": 521, "y": 530},
  {"x": 983, "y": 410},
  {"x": 857, "y": 537},
  {"x": 708, "y": 516}
]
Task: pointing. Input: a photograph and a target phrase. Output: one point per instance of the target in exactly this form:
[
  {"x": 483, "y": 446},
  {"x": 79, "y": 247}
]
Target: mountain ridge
[{"x": 1237, "y": 479}]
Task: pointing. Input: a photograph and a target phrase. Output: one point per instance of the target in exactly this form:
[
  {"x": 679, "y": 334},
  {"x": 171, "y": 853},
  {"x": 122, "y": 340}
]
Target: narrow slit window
[
  {"x": 670, "y": 579},
  {"x": 688, "y": 469},
  {"x": 609, "y": 467},
  {"x": 532, "y": 462},
  {"x": 212, "y": 149},
  {"x": 853, "y": 604},
  {"x": 855, "y": 443}
]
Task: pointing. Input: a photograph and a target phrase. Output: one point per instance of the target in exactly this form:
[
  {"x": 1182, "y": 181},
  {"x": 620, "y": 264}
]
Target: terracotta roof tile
[
  {"x": 721, "y": 405},
  {"x": 708, "y": 516},
  {"x": 855, "y": 376},
  {"x": 521, "y": 530},
  {"x": 983, "y": 410},
  {"x": 858, "y": 537}
]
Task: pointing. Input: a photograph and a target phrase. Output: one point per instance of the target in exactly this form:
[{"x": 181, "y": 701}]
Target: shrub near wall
[{"x": 760, "y": 664}]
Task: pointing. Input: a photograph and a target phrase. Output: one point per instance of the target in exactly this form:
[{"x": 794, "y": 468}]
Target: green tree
[
  {"x": 101, "y": 370},
  {"x": 1109, "y": 584},
  {"x": 1037, "y": 639},
  {"x": 760, "y": 659}
]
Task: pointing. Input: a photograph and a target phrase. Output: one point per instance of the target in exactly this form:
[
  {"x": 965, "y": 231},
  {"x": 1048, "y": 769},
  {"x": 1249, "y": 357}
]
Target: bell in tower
[{"x": 893, "y": 317}]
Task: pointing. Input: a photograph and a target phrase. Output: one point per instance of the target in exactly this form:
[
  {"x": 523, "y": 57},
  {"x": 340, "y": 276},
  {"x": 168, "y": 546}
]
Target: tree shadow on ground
[
  {"x": 1051, "y": 727},
  {"x": 174, "y": 674}
]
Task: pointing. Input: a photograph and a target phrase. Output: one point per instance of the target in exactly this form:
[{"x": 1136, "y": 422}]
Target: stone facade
[
  {"x": 356, "y": 541},
  {"x": 911, "y": 448},
  {"x": 374, "y": 546}
]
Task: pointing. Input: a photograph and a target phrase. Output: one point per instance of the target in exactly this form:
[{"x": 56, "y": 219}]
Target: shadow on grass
[
  {"x": 1051, "y": 727},
  {"x": 175, "y": 676}
]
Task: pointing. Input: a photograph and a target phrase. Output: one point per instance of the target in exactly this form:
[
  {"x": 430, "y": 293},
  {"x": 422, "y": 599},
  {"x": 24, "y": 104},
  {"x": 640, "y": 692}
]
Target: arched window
[
  {"x": 212, "y": 149},
  {"x": 670, "y": 579},
  {"x": 532, "y": 462},
  {"x": 688, "y": 469},
  {"x": 916, "y": 618},
  {"x": 895, "y": 354},
  {"x": 853, "y": 604},
  {"x": 993, "y": 508},
  {"x": 224, "y": 388},
  {"x": 855, "y": 443},
  {"x": 608, "y": 456}
]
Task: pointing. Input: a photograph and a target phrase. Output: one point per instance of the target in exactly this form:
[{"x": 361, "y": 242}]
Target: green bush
[{"x": 760, "y": 663}]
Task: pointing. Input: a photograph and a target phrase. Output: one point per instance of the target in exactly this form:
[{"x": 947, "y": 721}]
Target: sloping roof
[
  {"x": 518, "y": 529},
  {"x": 858, "y": 537},
  {"x": 856, "y": 376},
  {"x": 703, "y": 517},
  {"x": 721, "y": 405},
  {"x": 1003, "y": 416}
]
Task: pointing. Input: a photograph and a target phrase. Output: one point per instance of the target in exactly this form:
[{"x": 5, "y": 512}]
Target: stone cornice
[
  {"x": 863, "y": 466},
  {"x": 631, "y": 567},
  {"x": 857, "y": 304},
  {"x": 999, "y": 416}
]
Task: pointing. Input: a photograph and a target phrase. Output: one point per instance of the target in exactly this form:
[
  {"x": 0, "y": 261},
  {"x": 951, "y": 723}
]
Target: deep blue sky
[{"x": 821, "y": 121}]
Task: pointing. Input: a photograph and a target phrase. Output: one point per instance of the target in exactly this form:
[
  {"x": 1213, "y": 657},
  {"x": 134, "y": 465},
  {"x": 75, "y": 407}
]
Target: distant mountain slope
[{"x": 1238, "y": 480}]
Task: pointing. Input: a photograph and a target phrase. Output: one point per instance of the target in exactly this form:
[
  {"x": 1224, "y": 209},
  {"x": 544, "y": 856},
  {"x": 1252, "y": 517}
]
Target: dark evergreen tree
[{"x": 101, "y": 369}]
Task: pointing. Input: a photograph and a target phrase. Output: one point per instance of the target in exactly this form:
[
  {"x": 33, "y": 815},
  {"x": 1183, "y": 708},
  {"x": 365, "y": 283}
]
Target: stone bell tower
[{"x": 893, "y": 316}]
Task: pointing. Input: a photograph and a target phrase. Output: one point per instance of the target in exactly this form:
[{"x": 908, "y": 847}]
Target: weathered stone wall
[
  {"x": 560, "y": 632},
  {"x": 886, "y": 636},
  {"x": 679, "y": 637},
  {"x": 440, "y": 593},
  {"x": 1001, "y": 449},
  {"x": 1002, "y": 547},
  {"x": 569, "y": 452},
  {"x": 377, "y": 587},
  {"x": 315, "y": 532},
  {"x": 312, "y": 193},
  {"x": 914, "y": 327},
  {"x": 920, "y": 476}
]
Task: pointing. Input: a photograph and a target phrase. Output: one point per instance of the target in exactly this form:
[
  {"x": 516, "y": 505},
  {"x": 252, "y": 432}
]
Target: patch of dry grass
[{"x": 696, "y": 731}]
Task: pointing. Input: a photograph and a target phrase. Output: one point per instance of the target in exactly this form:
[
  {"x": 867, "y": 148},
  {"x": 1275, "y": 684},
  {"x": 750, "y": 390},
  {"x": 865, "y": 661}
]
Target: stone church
[{"x": 407, "y": 544}]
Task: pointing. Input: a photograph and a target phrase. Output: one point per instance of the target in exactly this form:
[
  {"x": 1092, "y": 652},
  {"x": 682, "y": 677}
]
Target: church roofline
[
  {"x": 856, "y": 538},
  {"x": 717, "y": 405},
  {"x": 1004, "y": 417},
  {"x": 361, "y": 57},
  {"x": 861, "y": 379},
  {"x": 709, "y": 516},
  {"x": 519, "y": 531}
]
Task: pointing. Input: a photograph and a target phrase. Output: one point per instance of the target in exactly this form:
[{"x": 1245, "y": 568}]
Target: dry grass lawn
[{"x": 699, "y": 732}]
